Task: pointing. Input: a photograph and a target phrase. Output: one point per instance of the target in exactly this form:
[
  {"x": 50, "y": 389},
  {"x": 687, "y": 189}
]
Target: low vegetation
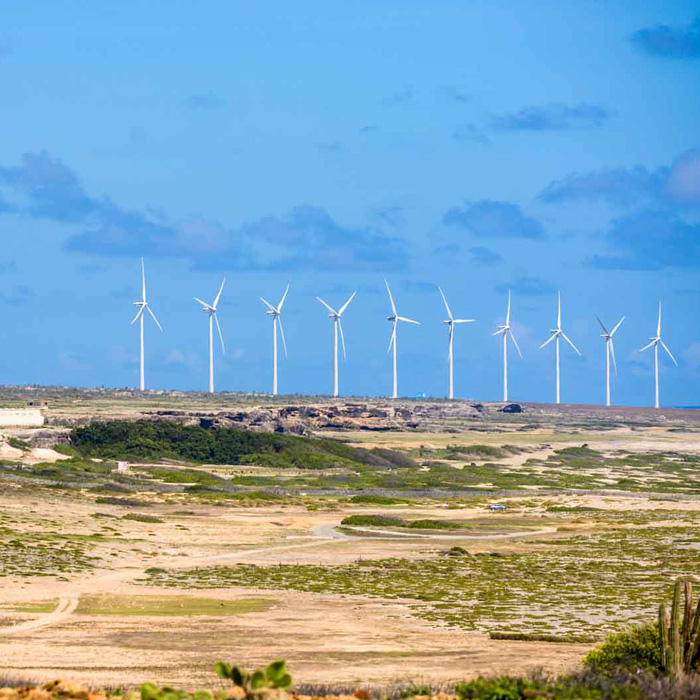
[{"x": 148, "y": 440}]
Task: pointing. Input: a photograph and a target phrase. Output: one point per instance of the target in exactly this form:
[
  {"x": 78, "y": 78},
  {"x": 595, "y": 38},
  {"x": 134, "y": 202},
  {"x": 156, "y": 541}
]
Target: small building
[{"x": 21, "y": 418}]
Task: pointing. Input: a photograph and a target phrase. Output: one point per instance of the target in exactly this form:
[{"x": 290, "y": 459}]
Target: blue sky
[{"x": 477, "y": 145}]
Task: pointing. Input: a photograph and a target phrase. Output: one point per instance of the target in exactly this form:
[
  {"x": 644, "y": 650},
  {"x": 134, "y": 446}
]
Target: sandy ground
[{"x": 325, "y": 638}]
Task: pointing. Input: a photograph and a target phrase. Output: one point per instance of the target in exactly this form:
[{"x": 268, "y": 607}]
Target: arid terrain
[{"x": 354, "y": 571}]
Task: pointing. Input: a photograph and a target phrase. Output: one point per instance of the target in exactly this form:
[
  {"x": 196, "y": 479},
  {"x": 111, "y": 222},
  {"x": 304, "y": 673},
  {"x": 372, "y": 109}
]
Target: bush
[
  {"x": 637, "y": 649},
  {"x": 373, "y": 521},
  {"x": 141, "y": 518},
  {"x": 18, "y": 444}
]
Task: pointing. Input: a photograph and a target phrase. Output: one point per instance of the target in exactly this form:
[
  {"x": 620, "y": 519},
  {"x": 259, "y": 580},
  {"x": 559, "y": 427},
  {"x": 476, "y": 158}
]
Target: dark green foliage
[
  {"x": 254, "y": 684},
  {"x": 148, "y": 440},
  {"x": 638, "y": 648}
]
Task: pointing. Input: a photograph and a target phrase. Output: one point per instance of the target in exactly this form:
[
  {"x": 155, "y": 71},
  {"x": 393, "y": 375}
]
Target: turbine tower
[
  {"x": 505, "y": 330},
  {"x": 142, "y": 307},
  {"x": 655, "y": 342},
  {"x": 337, "y": 326},
  {"x": 395, "y": 318},
  {"x": 450, "y": 323},
  {"x": 558, "y": 333},
  {"x": 609, "y": 352},
  {"x": 276, "y": 313},
  {"x": 210, "y": 309}
]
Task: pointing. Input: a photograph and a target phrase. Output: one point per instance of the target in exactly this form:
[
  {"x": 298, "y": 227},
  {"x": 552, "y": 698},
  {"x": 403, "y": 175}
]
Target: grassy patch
[{"x": 152, "y": 606}]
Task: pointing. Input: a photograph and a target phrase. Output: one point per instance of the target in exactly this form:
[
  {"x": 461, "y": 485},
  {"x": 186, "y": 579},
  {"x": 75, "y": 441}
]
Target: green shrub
[
  {"x": 428, "y": 524},
  {"x": 18, "y": 444},
  {"x": 638, "y": 648},
  {"x": 254, "y": 684},
  {"x": 151, "y": 440},
  {"x": 141, "y": 518},
  {"x": 64, "y": 449},
  {"x": 373, "y": 521}
]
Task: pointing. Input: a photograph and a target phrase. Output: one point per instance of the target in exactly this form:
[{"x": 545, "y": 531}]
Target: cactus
[
  {"x": 680, "y": 632},
  {"x": 257, "y": 683}
]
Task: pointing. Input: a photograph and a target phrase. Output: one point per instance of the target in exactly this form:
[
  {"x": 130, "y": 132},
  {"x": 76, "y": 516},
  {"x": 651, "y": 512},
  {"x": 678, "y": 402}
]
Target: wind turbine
[
  {"x": 558, "y": 333},
  {"x": 655, "y": 342},
  {"x": 210, "y": 309},
  {"x": 337, "y": 325},
  {"x": 450, "y": 323},
  {"x": 505, "y": 330},
  {"x": 143, "y": 306},
  {"x": 609, "y": 352},
  {"x": 276, "y": 313},
  {"x": 395, "y": 318}
]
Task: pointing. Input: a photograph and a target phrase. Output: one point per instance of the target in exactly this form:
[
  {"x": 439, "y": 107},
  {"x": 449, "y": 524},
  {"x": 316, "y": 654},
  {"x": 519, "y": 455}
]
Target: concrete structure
[{"x": 21, "y": 418}]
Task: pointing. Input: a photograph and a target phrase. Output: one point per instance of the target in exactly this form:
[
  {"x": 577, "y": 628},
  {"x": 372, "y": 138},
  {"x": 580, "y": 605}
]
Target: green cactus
[
  {"x": 254, "y": 684},
  {"x": 680, "y": 632}
]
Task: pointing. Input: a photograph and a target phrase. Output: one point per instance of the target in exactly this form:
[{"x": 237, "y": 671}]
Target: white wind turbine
[
  {"x": 655, "y": 342},
  {"x": 609, "y": 352},
  {"x": 395, "y": 318},
  {"x": 143, "y": 306},
  {"x": 558, "y": 333},
  {"x": 210, "y": 309},
  {"x": 337, "y": 326},
  {"x": 450, "y": 323},
  {"x": 505, "y": 330},
  {"x": 276, "y": 313}
]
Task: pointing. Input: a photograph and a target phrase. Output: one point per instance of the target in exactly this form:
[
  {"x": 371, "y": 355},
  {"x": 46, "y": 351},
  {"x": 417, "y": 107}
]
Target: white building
[{"x": 21, "y": 418}]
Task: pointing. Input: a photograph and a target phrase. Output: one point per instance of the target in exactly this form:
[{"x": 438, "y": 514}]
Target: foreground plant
[
  {"x": 257, "y": 683},
  {"x": 680, "y": 631}
]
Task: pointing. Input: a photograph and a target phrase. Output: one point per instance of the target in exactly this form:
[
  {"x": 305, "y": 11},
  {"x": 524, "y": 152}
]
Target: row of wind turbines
[{"x": 505, "y": 330}]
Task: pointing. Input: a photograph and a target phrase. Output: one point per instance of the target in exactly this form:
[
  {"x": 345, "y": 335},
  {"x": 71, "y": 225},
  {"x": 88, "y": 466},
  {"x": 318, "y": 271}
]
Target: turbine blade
[
  {"x": 619, "y": 323},
  {"x": 663, "y": 345},
  {"x": 647, "y": 346},
  {"x": 346, "y": 304},
  {"x": 221, "y": 336},
  {"x": 284, "y": 342},
  {"x": 218, "y": 296},
  {"x": 204, "y": 304},
  {"x": 391, "y": 298},
  {"x": 450, "y": 336},
  {"x": 268, "y": 304},
  {"x": 138, "y": 315},
  {"x": 500, "y": 331},
  {"x": 143, "y": 281},
  {"x": 463, "y": 320},
  {"x": 605, "y": 330},
  {"x": 342, "y": 337},
  {"x": 567, "y": 339},
  {"x": 548, "y": 341},
  {"x": 612, "y": 354},
  {"x": 658, "y": 325},
  {"x": 326, "y": 305},
  {"x": 408, "y": 320},
  {"x": 154, "y": 318},
  {"x": 284, "y": 296},
  {"x": 508, "y": 312},
  {"x": 393, "y": 336},
  {"x": 559, "y": 310},
  {"x": 515, "y": 342},
  {"x": 447, "y": 306}
]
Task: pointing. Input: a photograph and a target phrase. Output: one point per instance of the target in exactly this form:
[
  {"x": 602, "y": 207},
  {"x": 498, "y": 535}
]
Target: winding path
[{"x": 324, "y": 534}]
